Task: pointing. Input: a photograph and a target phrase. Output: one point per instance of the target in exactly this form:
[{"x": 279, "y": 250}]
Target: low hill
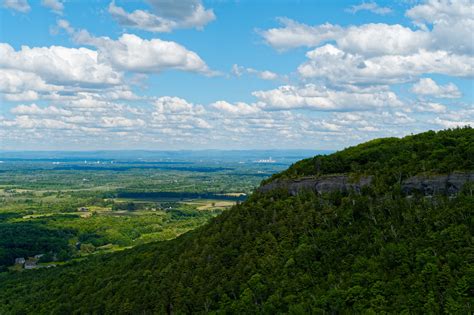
[
  {"x": 435, "y": 152},
  {"x": 373, "y": 251}
]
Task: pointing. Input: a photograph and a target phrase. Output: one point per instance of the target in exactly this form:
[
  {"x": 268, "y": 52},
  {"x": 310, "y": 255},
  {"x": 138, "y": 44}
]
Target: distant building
[
  {"x": 30, "y": 264},
  {"x": 270, "y": 160},
  {"x": 39, "y": 256},
  {"x": 19, "y": 261}
]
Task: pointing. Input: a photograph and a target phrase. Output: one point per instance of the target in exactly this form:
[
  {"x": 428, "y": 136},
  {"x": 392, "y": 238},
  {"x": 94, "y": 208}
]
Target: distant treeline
[
  {"x": 92, "y": 160},
  {"x": 126, "y": 168},
  {"x": 178, "y": 195}
]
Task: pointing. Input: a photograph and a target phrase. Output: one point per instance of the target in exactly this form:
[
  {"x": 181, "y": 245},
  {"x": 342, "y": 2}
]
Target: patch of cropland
[
  {"x": 374, "y": 250},
  {"x": 60, "y": 208}
]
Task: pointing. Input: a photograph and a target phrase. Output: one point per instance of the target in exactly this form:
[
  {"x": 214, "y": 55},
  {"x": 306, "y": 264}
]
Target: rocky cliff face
[
  {"x": 320, "y": 185},
  {"x": 449, "y": 184},
  {"x": 428, "y": 185}
]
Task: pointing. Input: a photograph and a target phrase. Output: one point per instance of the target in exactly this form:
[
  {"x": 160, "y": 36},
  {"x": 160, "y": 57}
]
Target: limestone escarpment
[
  {"x": 425, "y": 184},
  {"x": 448, "y": 184},
  {"x": 320, "y": 185}
]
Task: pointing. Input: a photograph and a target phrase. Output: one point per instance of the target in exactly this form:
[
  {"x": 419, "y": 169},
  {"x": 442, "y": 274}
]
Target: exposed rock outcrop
[
  {"x": 426, "y": 184},
  {"x": 320, "y": 185},
  {"x": 449, "y": 184}
]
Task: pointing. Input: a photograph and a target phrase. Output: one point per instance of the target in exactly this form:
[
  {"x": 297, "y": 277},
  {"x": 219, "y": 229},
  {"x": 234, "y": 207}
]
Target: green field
[{"x": 67, "y": 210}]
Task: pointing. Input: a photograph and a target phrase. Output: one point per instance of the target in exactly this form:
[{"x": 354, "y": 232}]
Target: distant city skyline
[{"x": 191, "y": 74}]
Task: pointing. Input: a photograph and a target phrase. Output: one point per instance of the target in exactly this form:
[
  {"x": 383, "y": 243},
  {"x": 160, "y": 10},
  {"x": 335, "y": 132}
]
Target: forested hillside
[
  {"x": 393, "y": 158},
  {"x": 378, "y": 251}
]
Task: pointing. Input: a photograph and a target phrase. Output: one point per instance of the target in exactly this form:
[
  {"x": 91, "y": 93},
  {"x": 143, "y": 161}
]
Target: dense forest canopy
[
  {"x": 434, "y": 152},
  {"x": 374, "y": 252}
]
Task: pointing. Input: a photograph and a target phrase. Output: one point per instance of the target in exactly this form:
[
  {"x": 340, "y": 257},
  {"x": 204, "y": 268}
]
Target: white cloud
[
  {"x": 60, "y": 65},
  {"x": 16, "y": 81},
  {"x": 444, "y": 25},
  {"x": 55, "y": 5},
  {"x": 321, "y": 98},
  {"x": 132, "y": 53},
  {"x": 176, "y": 122},
  {"x": 28, "y": 95},
  {"x": 26, "y": 122},
  {"x": 264, "y": 75},
  {"x": 453, "y": 124},
  {"x": 441, "y": 43},
  {"x": 167, "y": 15},
  {"x": 56, "y": 72},
  {"x": 17, "y": 5},
  {"x": 178, "y": 114},
  {"x": 33, "y": 110},
  {"x": 327, "y": 126},
  {"x": 121, "y": 122},
  {"x": 457, "y": 118},
  {"x": 382, "y": 39},
  {"x": 238, "y": 108},
  {"x": 427, "y": 86},
  {"x": 169, "y": 104},
  {"x": 370, "y": 6},
  {"x": 368, "y": 39},
  {"x": 140, "y": 19},
  {"x": 436, "y": 10},
  {"x": 294, "y": 34},
  {"x": 86, "y": 95},
  {"x": 451, "y": 22},
  {"x": 64, "y": 24},
  {"x": 431, "y": 107},
  {"x": 381, "y": 119},
  {"x": 331, "y": 63}
]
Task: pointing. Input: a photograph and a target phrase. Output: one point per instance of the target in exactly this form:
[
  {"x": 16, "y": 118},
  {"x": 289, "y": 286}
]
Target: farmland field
[{"x": 63, "y": 207}]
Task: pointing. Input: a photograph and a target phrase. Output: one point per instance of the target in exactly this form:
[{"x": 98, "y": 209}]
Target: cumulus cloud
[
  {"x": 238, "y": 108},
  {"x": 444, "y": 25},
  {"x": 336, "y": 65},
  {"x": 17, "y": 5},
  {"x": 428, "y": 87},
  {"x": 25, "y": 122},
  {"x": 16, "y": 81},
  {"x": 450, "y": 21},
  {"x": 457, "y": 118},
  {"x": 440, "y": 43},
  {"x": 55, "y": 5},
  {"x": 176, "y": 122},
  {"x": 293, "y": 34},
  {"x": 430, "y": 107},
  {"x": 343, "y": 97},
  {"x": 133, "y": 53},
  {"x": 264, "y": 75},
  {"x": 121, "y": 122},
  {"x": 60, "y": 65},
  {"x": 177, "y": 113},
  {"x": 320, "y": 98},
  {"x": 166, "y": 16},
  {"x": 453, "y": 124},
  {"x": 369, "y": 6},
  {"x": 370, "y": 39},
  {"x": 382, "y": 39},
  {"x": 34, "y": 109},
  {"x": 75, "y": 118},
  {"x": 31, "y": 73}
]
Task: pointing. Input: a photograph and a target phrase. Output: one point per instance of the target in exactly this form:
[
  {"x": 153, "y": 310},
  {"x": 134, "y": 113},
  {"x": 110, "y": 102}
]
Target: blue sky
[{"x": 161, "y": 74}]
